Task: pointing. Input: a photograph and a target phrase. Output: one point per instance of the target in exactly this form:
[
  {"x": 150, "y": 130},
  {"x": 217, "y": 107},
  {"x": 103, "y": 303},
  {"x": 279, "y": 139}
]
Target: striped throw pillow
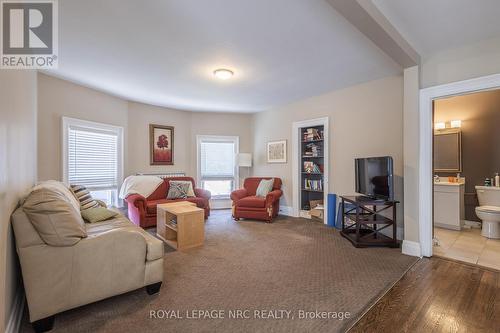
[{"x": 83, "y": 195}]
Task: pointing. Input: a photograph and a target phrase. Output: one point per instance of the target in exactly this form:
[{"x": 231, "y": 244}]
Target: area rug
[{"x": 293, "y": 275}]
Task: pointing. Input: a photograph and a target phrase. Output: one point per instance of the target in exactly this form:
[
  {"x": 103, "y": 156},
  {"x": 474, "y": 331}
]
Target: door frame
[
  {"x": 427, "y": 96},
  {"x": 296, "y": 162}
]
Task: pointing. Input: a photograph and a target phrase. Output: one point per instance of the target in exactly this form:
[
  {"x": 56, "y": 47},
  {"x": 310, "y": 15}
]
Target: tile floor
[{"x": 468, "y": 246}]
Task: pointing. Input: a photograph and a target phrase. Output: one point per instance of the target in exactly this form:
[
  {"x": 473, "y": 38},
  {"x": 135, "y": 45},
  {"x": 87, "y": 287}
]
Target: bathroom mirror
[{"x": 448, "y": 150}]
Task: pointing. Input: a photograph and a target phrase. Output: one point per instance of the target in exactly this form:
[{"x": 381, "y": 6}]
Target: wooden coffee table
[{"x": 181, "y": 224}]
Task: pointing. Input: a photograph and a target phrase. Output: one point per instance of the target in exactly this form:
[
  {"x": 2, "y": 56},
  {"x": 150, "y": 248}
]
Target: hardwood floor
[{"x": 438, "y": 295}]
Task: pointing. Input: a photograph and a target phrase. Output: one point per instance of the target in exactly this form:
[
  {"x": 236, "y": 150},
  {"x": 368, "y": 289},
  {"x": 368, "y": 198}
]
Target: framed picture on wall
[
  {"x": 276, "y": 151},
  {"x": 161, "y": 145}
]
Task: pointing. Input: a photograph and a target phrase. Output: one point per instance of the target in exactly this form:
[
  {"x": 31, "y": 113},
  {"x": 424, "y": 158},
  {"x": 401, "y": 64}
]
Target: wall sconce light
[
  {"x": 456, "y": 123},
  {"x": 439, "y": 126}
]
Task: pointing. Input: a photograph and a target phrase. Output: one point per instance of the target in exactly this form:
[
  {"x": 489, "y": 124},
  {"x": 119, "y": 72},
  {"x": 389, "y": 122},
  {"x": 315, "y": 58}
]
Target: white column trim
[{"x": 411, "y": 248}]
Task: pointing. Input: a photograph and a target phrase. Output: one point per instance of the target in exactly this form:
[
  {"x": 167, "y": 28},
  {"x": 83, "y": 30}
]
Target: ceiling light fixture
[{"x": 223, "y": 73}]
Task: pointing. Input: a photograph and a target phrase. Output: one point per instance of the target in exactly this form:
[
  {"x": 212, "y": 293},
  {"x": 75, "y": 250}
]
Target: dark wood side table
[{"x": 368, "y": 221}]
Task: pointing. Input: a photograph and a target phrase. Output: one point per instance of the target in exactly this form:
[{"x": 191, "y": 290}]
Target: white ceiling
[
  {"x": 163, "y": 52},
  {"x": 431, "y": 26}
]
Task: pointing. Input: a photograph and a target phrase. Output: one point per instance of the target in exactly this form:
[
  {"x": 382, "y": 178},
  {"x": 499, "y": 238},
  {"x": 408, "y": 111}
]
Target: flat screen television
[{"x": 374, "y": 177}]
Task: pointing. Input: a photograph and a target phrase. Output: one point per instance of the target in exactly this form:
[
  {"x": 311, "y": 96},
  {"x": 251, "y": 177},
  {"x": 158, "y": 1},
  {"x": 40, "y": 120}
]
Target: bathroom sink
[
  {"x": 444, "y": 181},
  {"x": 447, "y": 183}
]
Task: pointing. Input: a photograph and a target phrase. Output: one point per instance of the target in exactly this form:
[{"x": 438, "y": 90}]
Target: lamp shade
[{"x": 245, "y": 160}]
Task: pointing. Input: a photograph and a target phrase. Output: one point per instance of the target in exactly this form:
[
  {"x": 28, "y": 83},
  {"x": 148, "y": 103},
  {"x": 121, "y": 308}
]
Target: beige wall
[
  {"x": 17, "y": 170},
  {"x": 411, "y": 153},
  {"x": 365, "y": 120},
  {"x": 57, "y": 98},
  {"x": 140, "y": 116},
  {"x": 465, "y": 62},
  {"x": 222, "y": 124},
  {"x": 187, "y": 125}
]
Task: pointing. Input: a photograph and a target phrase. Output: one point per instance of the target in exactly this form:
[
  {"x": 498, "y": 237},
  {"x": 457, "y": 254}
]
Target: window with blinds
[
  {"x": 217, "y": 164},
  {"x": 93, "y": 157}
]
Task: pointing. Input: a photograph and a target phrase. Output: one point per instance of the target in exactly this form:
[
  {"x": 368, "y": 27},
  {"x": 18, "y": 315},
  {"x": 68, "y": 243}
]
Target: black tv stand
[
  {"x": 364, "y": 198},
  {"x": 368, "y": 222}
]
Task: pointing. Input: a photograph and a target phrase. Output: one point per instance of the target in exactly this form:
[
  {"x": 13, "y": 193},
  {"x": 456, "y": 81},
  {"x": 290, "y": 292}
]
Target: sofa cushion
[
  {"x": 251, "y": 184},
  {"x": 200, "y": 202},
  {"x": 252, "y": 201},
  {"x": 93, "y": 215},
  {"x": 118, "y": 222},
  {"x": 61, "y": 188},
  {"x": 160, "y": 192},
  {"x": 151, "y": 205},
  {"x": 155, "y": 249},
  {"x": 54, "y": 218}
]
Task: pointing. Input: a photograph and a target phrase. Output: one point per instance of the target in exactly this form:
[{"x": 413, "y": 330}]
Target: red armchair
[
  {"x": 247, "y": 205},
  {"x": 142, "y": 211}
]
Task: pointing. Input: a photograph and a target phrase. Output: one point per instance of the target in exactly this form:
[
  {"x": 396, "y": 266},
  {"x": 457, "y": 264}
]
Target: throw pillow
[
  {"x": 178, "y": 191},
  {"x": 54, "y": 218},
  {"x": 93, "y": 215},
  {"x": 265, "y": 186},
  {"x": 84, "y": 197},
  {"x": 190, "y": 191}
]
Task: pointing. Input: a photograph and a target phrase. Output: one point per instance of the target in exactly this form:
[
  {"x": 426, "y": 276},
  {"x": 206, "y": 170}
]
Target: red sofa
[
  {"x": 247, "y": 205},
  {"x": 142, "y": 211}
]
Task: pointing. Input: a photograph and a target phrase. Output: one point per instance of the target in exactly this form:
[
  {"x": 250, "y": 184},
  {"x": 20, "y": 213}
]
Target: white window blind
[
  {"x": 217, "y": 170},
  {"x": 217, "y": 159},
  {"x": 93, "y": 157}
]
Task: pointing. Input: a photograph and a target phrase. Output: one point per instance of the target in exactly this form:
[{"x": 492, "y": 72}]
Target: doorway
[
  {"x": 426, "y": 183},
  {"x": 466, "y": 160}
]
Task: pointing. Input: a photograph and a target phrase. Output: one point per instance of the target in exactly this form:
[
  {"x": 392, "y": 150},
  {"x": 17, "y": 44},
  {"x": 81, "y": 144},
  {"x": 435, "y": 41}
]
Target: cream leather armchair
[{"x": 114, "y": 258}]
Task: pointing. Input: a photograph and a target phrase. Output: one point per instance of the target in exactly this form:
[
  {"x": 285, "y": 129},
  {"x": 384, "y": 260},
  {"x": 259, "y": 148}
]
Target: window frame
[
  {"x": 218, "y": 138},
  {"x": 68, "y": 122}
]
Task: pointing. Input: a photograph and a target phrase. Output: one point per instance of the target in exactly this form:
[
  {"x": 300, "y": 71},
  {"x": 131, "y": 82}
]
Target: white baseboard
[
  {"x": 304, "y": 214},
  {"x": 16, "y": 314},
  {"x": 286, "y": 210},
  {"x": 411, "y": 248}
]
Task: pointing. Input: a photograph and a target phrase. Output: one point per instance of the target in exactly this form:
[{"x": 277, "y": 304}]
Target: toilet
[{"x": 489, "y": 210}]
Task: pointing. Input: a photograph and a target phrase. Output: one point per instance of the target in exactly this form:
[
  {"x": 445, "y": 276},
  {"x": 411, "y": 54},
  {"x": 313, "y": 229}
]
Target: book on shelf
[
  {"x": 311, "y": 167},
  {"x": 313, "y": 185},
  {"x": 312, "y": 150},
  {"x": 311, "y": 134}
]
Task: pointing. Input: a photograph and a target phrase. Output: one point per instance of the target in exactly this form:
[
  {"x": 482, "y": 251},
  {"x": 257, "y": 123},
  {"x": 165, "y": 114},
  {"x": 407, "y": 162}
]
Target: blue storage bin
[{"x": 332, "y": 209}]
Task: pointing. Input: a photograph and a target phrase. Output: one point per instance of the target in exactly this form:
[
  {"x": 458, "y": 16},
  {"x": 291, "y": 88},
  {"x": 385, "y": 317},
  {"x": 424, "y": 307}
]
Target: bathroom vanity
[{"x": 449, "y": 208}]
